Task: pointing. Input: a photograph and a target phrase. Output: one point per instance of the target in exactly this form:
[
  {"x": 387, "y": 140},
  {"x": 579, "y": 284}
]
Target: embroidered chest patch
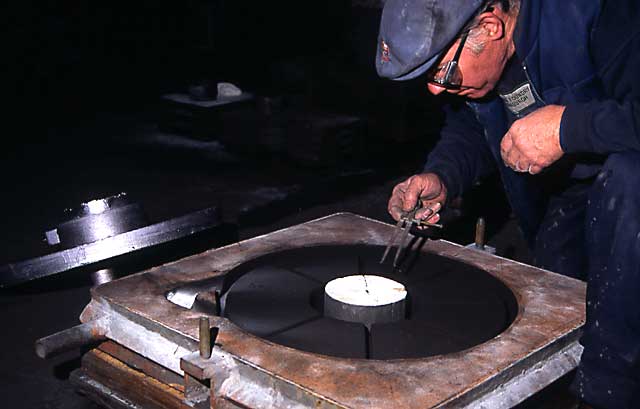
[{"x": 520, "y": 99}]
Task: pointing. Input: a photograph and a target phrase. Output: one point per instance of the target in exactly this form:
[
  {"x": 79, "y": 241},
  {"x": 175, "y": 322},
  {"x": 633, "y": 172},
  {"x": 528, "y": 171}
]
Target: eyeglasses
[{"x": 448, "y": 75}]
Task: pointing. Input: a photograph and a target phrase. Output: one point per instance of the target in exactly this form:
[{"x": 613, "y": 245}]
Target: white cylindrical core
[
  {"x": 365, "y": 290},
  {"x": 367, "y": 299}
]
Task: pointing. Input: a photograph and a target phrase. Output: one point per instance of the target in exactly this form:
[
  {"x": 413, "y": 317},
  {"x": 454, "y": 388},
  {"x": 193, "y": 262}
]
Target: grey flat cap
[{"x": 414, "y": 33}]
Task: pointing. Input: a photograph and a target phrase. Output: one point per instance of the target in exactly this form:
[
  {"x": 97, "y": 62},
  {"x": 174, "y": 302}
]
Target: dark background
[{"x": 85, "y": 119}]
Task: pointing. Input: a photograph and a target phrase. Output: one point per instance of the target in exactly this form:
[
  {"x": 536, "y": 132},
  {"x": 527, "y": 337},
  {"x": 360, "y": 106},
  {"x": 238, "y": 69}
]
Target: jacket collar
[{"x": 525, "y": 34}]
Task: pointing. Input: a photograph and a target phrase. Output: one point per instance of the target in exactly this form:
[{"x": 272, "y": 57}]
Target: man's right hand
[{"x": 426, "y": 188}]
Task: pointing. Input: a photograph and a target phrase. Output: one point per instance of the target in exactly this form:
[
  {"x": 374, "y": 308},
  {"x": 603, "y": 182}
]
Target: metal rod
[
  {"x": 205, "y": 338},
  {"x": 426, "y": 224},
  {"x": 480, "y": 233},
  {"x": 74, "y": 337}
]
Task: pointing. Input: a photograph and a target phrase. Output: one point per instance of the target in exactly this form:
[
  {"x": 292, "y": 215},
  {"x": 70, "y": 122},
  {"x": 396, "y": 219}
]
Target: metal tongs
[{"x": 402, "y": 229}]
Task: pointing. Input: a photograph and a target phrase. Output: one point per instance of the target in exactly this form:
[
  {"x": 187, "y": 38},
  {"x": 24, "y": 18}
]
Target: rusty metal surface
[
  {"x": 130, "y": 384},
  {"x": 143, "y": 365},
  {"x": 551, "y": 312}
]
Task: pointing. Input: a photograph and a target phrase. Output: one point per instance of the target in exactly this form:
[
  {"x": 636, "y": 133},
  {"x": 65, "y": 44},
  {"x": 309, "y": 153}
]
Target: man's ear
[{"x": 492, "y": 26}]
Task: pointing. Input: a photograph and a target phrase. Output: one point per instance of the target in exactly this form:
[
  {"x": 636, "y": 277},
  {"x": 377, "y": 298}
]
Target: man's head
[{"x": 461, "y": 45}]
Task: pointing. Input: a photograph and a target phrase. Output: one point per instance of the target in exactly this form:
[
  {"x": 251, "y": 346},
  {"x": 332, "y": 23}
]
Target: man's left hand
[{"x": 533, "y": 142}]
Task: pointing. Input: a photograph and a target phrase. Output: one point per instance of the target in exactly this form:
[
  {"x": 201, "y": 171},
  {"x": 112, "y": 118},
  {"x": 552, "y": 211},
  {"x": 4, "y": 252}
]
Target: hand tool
[{"x": 403, "y": 227}]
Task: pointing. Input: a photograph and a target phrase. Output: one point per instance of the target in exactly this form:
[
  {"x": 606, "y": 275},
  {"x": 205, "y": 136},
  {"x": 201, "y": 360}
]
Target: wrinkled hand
[
  {"x": 426, "y": 188},
  {"x": 533, "y": 142}
]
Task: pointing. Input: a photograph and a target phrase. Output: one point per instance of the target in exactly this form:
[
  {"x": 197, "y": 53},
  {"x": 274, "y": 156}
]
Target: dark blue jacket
[{"x": 584, "y": 54}]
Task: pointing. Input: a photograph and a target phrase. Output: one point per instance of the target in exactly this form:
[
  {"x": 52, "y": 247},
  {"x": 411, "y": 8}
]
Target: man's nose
[{"x": 434, "y": 88}]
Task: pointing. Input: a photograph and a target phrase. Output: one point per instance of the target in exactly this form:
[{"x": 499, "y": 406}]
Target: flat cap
[{"x": 414, "y": 33}]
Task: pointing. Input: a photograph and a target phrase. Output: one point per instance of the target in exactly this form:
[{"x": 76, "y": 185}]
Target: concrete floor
[{"x": 170, "y": 175}]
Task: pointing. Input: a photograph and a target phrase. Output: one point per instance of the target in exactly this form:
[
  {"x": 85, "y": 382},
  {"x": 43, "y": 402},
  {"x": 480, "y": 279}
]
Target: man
[{"x": 552, "y": 91}]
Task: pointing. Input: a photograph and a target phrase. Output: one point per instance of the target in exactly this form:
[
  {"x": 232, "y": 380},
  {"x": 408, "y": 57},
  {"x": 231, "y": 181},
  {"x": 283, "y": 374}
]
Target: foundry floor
[{"x": 170, "y": 176}]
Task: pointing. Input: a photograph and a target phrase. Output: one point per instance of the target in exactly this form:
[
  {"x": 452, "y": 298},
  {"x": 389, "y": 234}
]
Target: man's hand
[
  {"x": 533, "y": 142},
  {"x": 426, "y": 188}
]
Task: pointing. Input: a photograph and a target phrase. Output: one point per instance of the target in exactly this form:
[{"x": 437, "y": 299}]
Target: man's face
[
  {"x": 480, "y": 72},
  {"x": 482, "y": 66}
]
